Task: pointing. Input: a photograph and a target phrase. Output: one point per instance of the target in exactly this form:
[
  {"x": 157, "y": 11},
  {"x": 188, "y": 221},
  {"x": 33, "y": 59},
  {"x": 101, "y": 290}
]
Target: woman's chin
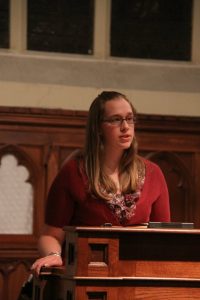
[{"x": 125, "y": 145}]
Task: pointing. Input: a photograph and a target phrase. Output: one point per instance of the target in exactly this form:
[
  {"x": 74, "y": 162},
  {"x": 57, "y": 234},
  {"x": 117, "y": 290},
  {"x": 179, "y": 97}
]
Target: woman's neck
[{"x": 110, "y": 163}]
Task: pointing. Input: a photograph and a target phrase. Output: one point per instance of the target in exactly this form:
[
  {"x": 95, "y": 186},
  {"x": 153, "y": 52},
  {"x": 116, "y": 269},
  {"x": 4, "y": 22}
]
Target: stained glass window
[
  {"x": 154, "y": 29},
  {"x": 4, "y": 24},
  {"x": 64, "y": 26}
]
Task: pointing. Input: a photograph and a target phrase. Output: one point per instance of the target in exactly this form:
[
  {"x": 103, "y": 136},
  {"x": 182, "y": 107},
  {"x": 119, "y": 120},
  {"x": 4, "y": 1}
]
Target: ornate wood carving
[{"x": 179, "y": 183}]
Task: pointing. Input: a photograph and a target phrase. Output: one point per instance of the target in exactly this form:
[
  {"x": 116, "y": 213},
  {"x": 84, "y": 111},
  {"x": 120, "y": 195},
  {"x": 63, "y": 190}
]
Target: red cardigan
[{"x": 70, "y": 203}]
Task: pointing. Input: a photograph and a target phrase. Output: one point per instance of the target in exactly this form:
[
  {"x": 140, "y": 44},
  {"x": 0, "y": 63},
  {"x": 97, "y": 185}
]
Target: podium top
[{"x": 143, "y": 228}]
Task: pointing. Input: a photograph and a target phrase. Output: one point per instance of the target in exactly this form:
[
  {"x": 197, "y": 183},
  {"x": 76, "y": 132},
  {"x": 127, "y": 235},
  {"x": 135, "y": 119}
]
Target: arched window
[{"x": 16, "y": 197}]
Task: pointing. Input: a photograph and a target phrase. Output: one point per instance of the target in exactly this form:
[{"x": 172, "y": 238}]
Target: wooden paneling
[
  {"x": 136, "y": 265},
  {"x": 41, "y": 139}
]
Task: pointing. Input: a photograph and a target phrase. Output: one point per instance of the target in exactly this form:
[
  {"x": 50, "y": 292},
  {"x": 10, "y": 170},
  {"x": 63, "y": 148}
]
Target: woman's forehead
[{"x": 117, "y": 106}]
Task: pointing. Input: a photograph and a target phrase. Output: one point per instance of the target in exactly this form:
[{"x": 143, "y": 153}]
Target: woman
[{"x": 108, "y": 182}]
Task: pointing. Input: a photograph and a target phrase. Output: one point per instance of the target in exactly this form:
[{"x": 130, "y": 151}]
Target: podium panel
[
  {"x": 120, "y": 251},
  {"x": 129, "y": 289},
  {"x": 125, "y": 263}
]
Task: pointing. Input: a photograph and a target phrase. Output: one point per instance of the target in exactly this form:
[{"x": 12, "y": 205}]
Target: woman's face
[{"x": 117, "y": 127}]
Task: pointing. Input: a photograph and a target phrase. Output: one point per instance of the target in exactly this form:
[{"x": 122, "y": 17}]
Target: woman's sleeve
[
  {"x": 161, "y": 208},
  {"x": 60, "y": 205}
]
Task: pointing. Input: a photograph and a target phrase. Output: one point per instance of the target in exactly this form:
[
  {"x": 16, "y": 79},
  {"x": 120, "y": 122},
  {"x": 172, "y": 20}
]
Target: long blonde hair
[{"x": 130, "y": 163}]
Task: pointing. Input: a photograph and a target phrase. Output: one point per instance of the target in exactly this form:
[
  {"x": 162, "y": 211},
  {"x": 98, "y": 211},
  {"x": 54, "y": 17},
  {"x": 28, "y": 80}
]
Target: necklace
[{"x": 124, "y": 205}]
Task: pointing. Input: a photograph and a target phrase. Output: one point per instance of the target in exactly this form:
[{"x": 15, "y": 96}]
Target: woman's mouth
[{"x": 125, "y": 137}]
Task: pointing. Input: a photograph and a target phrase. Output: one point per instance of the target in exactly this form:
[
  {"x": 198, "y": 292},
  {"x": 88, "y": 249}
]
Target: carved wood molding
[
  {"x": 8, "y": 266},
  {"x": 61, "y": 117}
]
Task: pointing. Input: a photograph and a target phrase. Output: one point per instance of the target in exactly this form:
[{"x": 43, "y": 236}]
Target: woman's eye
[{"x": 113, "y": 120}]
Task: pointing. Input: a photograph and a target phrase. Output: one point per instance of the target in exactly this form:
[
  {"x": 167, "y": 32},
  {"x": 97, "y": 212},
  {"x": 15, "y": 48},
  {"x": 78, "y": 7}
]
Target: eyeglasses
[{"x": 117, "y": 120}]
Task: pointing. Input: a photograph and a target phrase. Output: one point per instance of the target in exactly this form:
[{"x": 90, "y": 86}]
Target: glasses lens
[
  {"x": 130, "y": 120},
  {"x": 117, "y": 121}
]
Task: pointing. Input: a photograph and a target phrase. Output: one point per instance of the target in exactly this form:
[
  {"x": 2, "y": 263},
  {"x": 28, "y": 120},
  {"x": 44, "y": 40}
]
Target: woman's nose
[{"x": 124, "y": 124}]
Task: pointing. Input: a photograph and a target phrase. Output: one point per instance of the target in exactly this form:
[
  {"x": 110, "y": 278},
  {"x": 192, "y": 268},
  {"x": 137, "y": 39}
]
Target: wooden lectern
[{"x": 125, "y": 263}]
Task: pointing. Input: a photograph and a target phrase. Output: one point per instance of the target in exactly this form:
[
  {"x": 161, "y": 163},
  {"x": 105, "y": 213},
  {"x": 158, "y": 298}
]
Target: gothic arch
[
  {"x": 22, "y": 158},
  {"x": 18, "y": 180},
  {"x": 179, "y": 183}
]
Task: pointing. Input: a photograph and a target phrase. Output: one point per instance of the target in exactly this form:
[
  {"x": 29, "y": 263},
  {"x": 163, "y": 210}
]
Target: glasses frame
[{"x": 118, "y": 120}]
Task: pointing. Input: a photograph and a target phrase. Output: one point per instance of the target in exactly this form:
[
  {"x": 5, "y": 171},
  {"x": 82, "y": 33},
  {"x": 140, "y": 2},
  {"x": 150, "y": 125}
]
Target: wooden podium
[{"x": 125, "y": 263}]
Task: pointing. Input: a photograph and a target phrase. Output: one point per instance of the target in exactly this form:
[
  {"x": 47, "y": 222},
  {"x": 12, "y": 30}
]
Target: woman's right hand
[
  {"x": 50, "y": 246},
  {"x": 50, "y": 260}
]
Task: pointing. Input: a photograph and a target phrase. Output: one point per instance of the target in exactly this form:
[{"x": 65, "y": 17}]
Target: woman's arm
[{"x": 50, "y": 247}]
